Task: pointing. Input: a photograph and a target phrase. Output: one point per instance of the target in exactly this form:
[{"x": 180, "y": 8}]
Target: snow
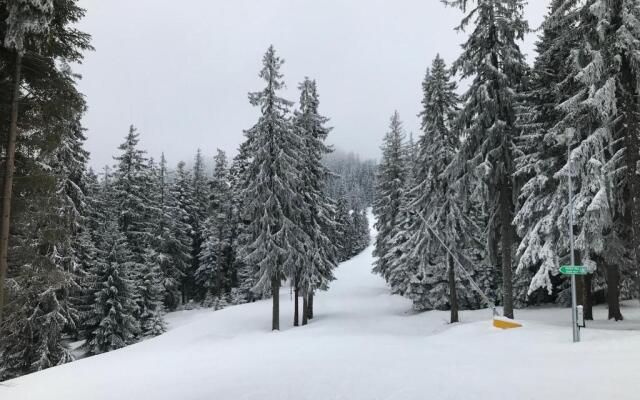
[{"x": 362, "y": 344}]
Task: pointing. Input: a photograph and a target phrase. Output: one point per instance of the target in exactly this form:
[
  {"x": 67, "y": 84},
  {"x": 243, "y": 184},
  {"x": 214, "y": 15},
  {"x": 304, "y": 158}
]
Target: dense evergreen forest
[
  {"x": 490, "y": 175},
  {"x": 352, "y": 178},
  {"x": 100, "y": 256},
  {"x": 505, "y": 169}
]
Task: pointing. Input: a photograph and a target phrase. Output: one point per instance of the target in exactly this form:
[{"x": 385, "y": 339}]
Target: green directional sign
[{"x": 574, "y": 270}]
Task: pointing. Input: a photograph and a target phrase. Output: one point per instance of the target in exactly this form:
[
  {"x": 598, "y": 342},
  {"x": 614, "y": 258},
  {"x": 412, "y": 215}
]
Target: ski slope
[{"x": 362, "y": 344}]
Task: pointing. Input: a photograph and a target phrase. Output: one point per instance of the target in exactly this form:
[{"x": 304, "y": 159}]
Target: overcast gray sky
[{"x": 180, "y": 70}]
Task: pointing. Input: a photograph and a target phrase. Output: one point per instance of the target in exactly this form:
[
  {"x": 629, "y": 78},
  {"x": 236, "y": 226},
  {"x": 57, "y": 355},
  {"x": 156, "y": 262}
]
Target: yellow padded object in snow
[{"x": 505, "y": 323}]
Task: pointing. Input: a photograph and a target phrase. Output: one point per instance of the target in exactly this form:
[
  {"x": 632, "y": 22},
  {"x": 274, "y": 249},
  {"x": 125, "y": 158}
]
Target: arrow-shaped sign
[{"x": 574, "y": 270}]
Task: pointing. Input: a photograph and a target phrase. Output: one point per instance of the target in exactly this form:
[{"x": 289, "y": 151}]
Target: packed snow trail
[{"x": 362, "y": 344}]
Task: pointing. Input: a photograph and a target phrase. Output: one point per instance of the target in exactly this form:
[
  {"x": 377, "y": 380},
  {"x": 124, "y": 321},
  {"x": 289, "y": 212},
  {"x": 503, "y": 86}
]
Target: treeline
[
  {"x": 351, "y": 183},
  {"x": 352, "y": 178},
  {"x": 100, "y": 257},
  {"x": 489, "y": 177}
]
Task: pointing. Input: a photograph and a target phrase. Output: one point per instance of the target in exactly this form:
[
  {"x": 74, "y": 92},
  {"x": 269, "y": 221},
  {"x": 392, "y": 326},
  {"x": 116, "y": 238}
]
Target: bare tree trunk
[
  {"x": 275, "y": 293},
  {"x": 506, "y": 238},
  {"x": 7, "y": 186},
  {"x": 296, "y": 293},
  {"x": 453, "y": 295},
  {"x": 583, "y": 290},
  {"x": 219, "y": 282},
  {"x": 580, "y": 287},
  {"x": 613, "y": 291},
  {"x": 219, "y": 271},
  {"x": 183, "y": 292},
  {"x": 310, "y": 305},
  {"x": 588, "y": 298},
  {"x": 305, "y": 309}
]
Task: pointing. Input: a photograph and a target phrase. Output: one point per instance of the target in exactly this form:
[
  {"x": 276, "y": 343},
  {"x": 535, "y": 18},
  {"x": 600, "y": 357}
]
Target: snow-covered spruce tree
[
  {"x": 149, "y": 296},
  {"x": 94, "y": 212},
  {"x": 131, "y": 183},
  {"x": 397, "y": 256},
  {"x": 74, "y": 245},
  {"x": 25, "y": 21},
  {"x": 246, "y": 272},
  {"x": 35, "y": 324},
  {"x": 315, "y": 270},
  {"x": 389, "y": 191},
  {"x": 40, "y": 310},
  {"x": 597, "y": 120},
  {"x": 342, "y": 234},
  {"x": 182, "y": 194},
  {"x": 440, "y": 205},
  {"x": 82, "y": 296},
  {"x": 413, "y": 151},
  {"x": 46, "y": 252},
  {"x": 99, "y": 211},
  {"x": 149, "y": 287},
  {"x": 214, "y": 273},
  {"x": 171, "y": 245},
  {"x": 198, "y": 214},
  {"x": 619, "y": 34},
  {"x": 112, "y": 324},
  {"x": 132, "y": 192},
  {"x": 492, "y": 58},
  {"x": 97, "y": 207},
  {"x": 271, "y": 192},
  {"x": 45, "y": 204},
  {"x": 541, "y": 216}
]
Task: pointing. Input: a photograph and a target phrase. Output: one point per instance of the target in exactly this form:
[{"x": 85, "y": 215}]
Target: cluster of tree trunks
[{"x": 307, "y": 307}]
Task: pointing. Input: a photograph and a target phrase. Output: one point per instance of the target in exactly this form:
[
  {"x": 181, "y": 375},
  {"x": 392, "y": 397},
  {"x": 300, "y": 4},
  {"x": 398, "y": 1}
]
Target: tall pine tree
[
  {"x": 171, "y": 248},
  {"x": 315, "y": 270},
  {"x": 182, "y": 194},
  {"x": 389, "y": 192},
  {"x": 132, "y": 191},
  {"x": 214, "y": 272},
  {"x": 492, "y": 58},
  {"x": 198, "y": 214},
  {"x": 271, "y": 192}
]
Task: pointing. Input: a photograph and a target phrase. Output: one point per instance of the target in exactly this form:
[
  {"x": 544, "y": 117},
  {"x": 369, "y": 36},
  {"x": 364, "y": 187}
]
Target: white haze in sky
[{"x": 181, "y": 70}]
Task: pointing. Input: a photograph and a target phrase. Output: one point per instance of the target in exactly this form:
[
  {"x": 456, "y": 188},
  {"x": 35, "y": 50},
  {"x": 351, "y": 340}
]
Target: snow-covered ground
[{"x": 362, "y": 344}]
